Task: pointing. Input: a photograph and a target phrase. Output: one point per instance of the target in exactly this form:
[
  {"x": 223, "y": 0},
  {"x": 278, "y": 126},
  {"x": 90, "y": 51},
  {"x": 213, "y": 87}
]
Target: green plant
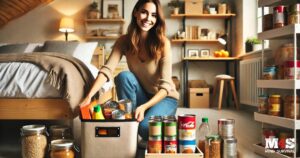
[
  {"x": 253, "y": 40},
  {"x": 94, "y": 6}
]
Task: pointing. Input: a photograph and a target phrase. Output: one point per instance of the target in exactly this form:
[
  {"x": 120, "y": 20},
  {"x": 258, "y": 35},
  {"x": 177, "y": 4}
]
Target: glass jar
[
  {"x": 289, "y": 110},
  {"x": 279, "y": 14},
  {"x": 294, "y": 14},
  {"x": 213, "y": 146},
  {"x": 34, "y": 141},
  {"x": 263, "y": 104},
  {"x": 60, "y": 132},
  {"x": 274, "y": 105},
  {"x": 62, "y": 148}
]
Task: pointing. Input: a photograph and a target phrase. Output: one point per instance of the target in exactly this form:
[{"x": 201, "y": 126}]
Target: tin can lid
[
  {"x": 155, "y": 123},
  {"x": 187, "y": 115},
  {"x": 226, "y": 121}
]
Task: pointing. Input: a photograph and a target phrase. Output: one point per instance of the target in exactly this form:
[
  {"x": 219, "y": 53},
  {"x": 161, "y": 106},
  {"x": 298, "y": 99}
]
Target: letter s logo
[{"x": 290, "y": 143}]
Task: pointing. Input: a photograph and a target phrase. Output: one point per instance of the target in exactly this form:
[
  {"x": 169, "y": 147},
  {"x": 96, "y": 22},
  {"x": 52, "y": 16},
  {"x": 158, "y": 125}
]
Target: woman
[{"x": 148, "y": 53}]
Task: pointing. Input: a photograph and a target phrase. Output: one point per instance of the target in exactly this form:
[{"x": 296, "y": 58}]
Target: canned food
[
  {"x": 187, "y": 127},
  {"x": 274, "y": 105},
  {"x": 263, "y": 104},
  {"x": 155, "y": 128},
  {"x": 157, "y": 118},
  {"x": 170, "y": 145},
  {"x": 187, "y": 146},
  {"x": 169, "y": 117},
  {"x": 170, "y": 128},
  {"x": 155, "y": 144},
  {"x": 126, "y": 105},
  {"x": 226, "y": 128},
  {"x": 229, "y": 148},
  {"x": 118, "y": 115},
  {"x": 289, "y": 108}
]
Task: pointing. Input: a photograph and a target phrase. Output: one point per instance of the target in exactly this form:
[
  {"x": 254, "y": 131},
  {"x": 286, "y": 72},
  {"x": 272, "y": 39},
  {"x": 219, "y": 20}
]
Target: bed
[{"x": 44, "y": 81}]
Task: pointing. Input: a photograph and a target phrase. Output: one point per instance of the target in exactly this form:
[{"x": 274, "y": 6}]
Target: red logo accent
[{"x": 190, "y": 124}]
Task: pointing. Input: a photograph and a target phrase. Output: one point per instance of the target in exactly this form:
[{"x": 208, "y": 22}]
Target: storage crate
[
  {"x": 197, "y": 154},
  {"x": 193, "y": 6},
  {"x": 199, "y": 97},
  {"x": 109, "y": 138}
]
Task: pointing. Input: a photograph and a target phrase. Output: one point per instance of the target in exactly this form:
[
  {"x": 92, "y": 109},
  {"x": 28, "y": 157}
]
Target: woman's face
[{"x": 146, "y": 16}]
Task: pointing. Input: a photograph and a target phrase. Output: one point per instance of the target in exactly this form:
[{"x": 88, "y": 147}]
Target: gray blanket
[{"x": 67, "y": 74}]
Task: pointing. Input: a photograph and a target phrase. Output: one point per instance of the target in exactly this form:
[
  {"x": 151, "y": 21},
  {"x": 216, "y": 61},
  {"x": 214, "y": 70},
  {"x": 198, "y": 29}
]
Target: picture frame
[
  {"x": 112, "y": 9},
  {"x": 204, "y": 53},
  {"x": 193, "y": 53}
]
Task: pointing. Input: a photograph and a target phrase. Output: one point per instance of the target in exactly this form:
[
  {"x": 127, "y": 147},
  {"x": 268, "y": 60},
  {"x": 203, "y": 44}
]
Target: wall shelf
[
  {"x": 286, "y": 32},
  {"x": 105, "y": 20},
  {"x": 211, "y": 59},
  {"x": 280, "y": 84},
  {"x": 206, "y": 16},
  {"x": 261, "y": 151},
  {"x": 279, "y": 121},
  {"x": 193, "y": 41}
]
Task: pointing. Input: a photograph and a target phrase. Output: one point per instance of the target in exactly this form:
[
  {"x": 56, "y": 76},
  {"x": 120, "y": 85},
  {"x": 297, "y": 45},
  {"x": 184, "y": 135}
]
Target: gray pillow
[
  {"x": 60, "y": 47},
  {"x": 13, "y": 48}
]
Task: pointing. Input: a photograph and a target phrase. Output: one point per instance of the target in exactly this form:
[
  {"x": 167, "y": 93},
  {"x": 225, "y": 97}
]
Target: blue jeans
[{"x": 128, "y": 87}]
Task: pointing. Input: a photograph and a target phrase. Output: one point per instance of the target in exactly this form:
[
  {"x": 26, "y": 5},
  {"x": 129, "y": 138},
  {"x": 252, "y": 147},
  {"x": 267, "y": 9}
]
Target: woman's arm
[{"x": 106, "y": 71}]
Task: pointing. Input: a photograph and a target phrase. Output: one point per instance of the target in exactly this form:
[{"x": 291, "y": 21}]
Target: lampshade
[
  {"x": 66, "y": 25},
  {"x": 223, "y": 39}
]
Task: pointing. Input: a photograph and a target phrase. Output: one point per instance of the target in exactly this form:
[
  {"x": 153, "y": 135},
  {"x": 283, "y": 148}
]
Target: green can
[
  {"x": 170, "y": 128},
  {"x": 155, "y": 128}
]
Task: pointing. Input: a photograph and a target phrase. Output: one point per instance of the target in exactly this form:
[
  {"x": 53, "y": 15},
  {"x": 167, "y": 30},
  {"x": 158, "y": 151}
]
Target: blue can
[{"x": 187, "y": 146}]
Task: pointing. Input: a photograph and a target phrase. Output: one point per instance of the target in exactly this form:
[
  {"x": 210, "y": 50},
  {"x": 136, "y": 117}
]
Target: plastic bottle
[
  {"x": 97, "y": 114},
  {"x": 203, "y": 131}
]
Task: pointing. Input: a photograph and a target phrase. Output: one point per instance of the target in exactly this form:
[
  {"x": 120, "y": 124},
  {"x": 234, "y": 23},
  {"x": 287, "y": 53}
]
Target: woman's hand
[
  {"x": 139, "y": 113},
  {"x": 85, "y": 101}
]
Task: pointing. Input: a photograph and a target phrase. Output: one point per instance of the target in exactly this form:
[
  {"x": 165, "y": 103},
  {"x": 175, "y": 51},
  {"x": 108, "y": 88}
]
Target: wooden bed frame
[{"x": 34, "y": 109}]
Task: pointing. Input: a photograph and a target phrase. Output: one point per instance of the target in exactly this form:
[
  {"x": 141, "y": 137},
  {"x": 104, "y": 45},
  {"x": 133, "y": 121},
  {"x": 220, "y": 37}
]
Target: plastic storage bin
[{"x": 108, "y": 138}]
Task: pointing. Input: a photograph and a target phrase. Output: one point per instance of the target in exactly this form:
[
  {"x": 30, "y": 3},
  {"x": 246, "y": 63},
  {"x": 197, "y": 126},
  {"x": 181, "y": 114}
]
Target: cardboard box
[
  {"x": 199, "y": 97},
  {"x": 193, "y": 6},
  {"x": 197, "y": 154},
  {"x": 109, "y": 138}
]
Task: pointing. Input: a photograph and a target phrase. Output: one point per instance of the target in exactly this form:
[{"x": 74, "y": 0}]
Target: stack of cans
[
  {"x": 170, "y": 134},
  {"x": 226, "y": 128},
  {"x": 187, "y": 133},
  {"x": 155, "y": 134}
]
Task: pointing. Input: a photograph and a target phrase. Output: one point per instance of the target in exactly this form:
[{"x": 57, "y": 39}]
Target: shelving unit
[
  {"x": 186, "y": 60},
  {"x": 287, "y": 32}
]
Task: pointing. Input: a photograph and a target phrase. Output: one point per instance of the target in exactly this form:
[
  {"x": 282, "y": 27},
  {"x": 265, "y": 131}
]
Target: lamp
[
  {"x": 223, "y": 39},
  {"x": 66, "y": 26}
]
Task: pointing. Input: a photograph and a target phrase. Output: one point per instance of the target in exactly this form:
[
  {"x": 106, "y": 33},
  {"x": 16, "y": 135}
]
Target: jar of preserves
[
  {"x": 62, "y": 148},
  {"x": 289, "y": 108},
  {"x": 279, "y": 16},
  {"x": 34, "y": 141},
  {"x": 274, "y": 105},
  {"x": 263, "y": 104},
  {"x": 294, "y": 14},
  {"x": 213, "y": 146},
  {"x": 60, "y": 132}
]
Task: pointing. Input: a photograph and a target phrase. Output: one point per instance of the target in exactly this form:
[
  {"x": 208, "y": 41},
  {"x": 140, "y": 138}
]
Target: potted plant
[
  {"x": 253, "y": 44},
  {"x": 93, "y": 12},
  {"x": 175, "y": 5}
]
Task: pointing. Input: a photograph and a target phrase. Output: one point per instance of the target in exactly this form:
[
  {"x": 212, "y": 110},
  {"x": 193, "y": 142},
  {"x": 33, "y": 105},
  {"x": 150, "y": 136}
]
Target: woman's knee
[
  {"x": 124, "y": 76},
  {"x": 144, "y": 129}
]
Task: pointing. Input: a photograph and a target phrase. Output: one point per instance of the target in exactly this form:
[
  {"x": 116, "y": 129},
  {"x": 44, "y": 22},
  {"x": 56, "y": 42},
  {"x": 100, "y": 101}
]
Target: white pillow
[{"x": 85, "y": 51}]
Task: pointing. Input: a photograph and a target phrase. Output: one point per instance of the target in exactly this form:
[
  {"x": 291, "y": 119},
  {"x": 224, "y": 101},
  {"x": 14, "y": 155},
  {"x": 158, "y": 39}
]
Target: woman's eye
[{"x": 154, "y": 15}]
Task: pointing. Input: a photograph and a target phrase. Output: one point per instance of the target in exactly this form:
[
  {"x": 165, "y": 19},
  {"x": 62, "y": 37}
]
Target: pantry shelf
[
  {"x": 286, "y": 32},
  {"x": 281, "y": 84},
  {"x": 279, "y": 121},
  {"x": 274, "y": 2},
  {"x": 261, "y": 151}
]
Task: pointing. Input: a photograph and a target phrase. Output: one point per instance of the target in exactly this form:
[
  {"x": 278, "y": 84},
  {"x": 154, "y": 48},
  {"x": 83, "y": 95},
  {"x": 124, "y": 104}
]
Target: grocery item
[
  {"x": 118, "y": 115},
  {"x": 155, "y": 128},
  {"x": 187, "y": 132},
  {"x": 226, "y": 128},
  {"x": 289, "y": 108},
  {"x": 294, "y": 14},
  {"x": 60, "y": 132},
  {"x": 290, "y": 68},
  {"x": 97, "y": 113},
  {"x": 34, "y": 141},
  {"x": 213, "y": 146},
  {"x": 155, "y": 144},
  {"x": 203, "y": 131},
  {"x": 279, "y": 16},
  {"x": 170, "y": 128},
  {"x": 263, "y": 104},
  {"x": 170, "y": 144},
  {"x": 62, "y": 148},
  {"x": 126, "y": 106},
  {"x": 274, "y": 107},
  {"x": 229, "y": 148}
]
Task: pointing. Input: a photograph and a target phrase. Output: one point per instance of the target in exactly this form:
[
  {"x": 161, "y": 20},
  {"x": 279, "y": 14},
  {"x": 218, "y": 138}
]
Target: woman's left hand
[{"x": 139, "y": 113}]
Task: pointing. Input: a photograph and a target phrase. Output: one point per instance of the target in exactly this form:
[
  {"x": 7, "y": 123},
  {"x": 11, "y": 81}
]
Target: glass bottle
[{"x": 203, "y": 131}]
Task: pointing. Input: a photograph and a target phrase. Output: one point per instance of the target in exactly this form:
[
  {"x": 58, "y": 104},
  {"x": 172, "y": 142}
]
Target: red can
[
  {"x": 170, "y": 145},
  {"x": 187, "y": 127}
]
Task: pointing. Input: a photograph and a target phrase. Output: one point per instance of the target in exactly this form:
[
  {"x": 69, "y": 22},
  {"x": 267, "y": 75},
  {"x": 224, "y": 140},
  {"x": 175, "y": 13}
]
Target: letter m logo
[{"x": 271, "y": 143}]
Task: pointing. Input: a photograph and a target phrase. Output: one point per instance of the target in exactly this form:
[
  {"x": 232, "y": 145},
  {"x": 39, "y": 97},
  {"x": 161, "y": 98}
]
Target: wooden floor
[{"x": 247, "y": 130}]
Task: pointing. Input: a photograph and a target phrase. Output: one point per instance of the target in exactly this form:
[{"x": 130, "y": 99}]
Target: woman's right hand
[{"x": 85, "y": 101}]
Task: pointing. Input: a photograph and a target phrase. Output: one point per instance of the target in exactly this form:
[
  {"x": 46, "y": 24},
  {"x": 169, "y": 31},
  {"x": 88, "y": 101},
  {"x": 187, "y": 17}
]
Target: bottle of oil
[{"x": 203, "y": 131}]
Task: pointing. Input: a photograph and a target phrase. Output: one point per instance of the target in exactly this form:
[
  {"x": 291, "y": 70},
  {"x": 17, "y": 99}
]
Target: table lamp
[
  {"x": 223, "y": 39},
  {"x": 66, "y": 26}
]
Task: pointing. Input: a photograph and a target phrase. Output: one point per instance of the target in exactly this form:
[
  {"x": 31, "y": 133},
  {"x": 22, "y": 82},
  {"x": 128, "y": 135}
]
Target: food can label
[
  {"x": 154, "y": 146},
  {"x": 187, "y": 134},
  {"x": 186, "y": 121},
  {"x": 274, "y": 107},
  {"x": 170, "y": 129},
  {"x": 155, "y": 128},
  {"x": 170, "y": 146},
  {"x": 187, "y": 146}
]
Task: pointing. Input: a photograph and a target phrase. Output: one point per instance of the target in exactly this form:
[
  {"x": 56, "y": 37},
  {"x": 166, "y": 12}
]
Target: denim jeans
[{"x": 128, "y": 87}]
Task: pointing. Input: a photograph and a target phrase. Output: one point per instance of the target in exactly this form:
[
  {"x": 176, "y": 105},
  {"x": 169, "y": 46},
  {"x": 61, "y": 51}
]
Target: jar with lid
[
  {"x": 294, "y": 14},
  {"x": 263, "y": 104},
  {"x": 289, "y": 109},
  {"x": 60, "y": 132},
  {"x": 213, "y": 146},
  {"x": 62, "y": 148},
  {"x": 274, "y": 105},
  {"x": 279, "y": 16},
  {"x": 34, "y": 141},
  {"x": 290, "y": 68}
]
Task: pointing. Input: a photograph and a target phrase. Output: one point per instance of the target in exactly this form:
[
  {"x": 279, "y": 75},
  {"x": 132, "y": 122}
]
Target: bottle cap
[
  {"x": 97, "y": 108},
  {"x": 205, "y": 119}
]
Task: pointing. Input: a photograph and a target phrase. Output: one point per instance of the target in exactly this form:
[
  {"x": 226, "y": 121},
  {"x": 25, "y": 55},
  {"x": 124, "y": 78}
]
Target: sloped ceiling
[{"x": 11, "y": 9}]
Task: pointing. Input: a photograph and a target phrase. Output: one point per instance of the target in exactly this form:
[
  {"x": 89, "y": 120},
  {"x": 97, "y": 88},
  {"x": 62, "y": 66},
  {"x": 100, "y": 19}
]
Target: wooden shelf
[
  {"x": 105, "y": 20},
  {"x": 275, "y": 2},
  {"x": 210, "y": 59},
  {"x": 285, "y": 32},
  {"x": 101, "y": 37},
  {"x": 279, "y": 121},
  {"x": 261, "y": 151},
  {"x": 206, "y": 16},
  {"x": 281, "y": 84},
  {"x": 193, "y": 41}
]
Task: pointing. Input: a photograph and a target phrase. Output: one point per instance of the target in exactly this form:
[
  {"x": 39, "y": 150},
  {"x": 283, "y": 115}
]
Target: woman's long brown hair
[{"x": 155, "y": 39}]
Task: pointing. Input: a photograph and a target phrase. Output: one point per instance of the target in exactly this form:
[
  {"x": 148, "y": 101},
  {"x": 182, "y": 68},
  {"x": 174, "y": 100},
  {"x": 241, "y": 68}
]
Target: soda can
[
  {"x": 170, "y": 128},
  {"x": 170, "y": 145},
  {"x": 187, "y": 146},
  {"x": 187, "y": 127},
  {"x": 155, "y": 128},
  {"x": 155, "y": 144}
]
